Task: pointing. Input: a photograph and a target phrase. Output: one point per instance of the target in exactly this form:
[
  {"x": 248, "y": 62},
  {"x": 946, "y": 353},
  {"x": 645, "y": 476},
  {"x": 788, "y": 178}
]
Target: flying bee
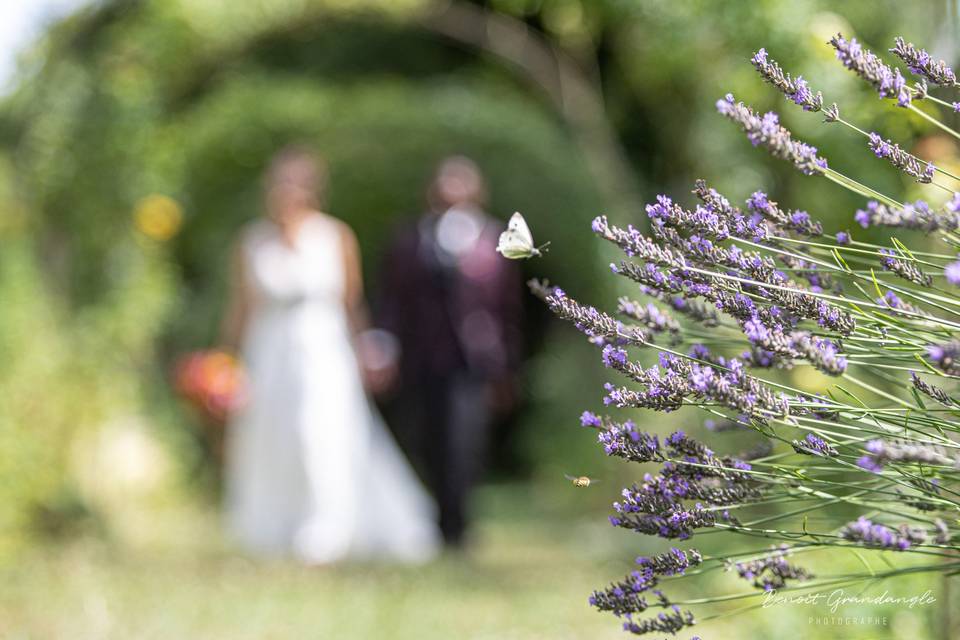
[{"x": 582, "y": 481}]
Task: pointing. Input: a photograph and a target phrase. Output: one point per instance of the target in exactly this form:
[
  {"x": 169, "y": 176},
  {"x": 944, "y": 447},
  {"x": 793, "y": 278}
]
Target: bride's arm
[
  {"x": 376, "y": 349},
  {"x": 238, "y": 303},
  {"x": 354, "y": 301}
]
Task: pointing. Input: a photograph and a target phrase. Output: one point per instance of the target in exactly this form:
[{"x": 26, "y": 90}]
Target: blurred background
[{"x": 132, "y": 139}]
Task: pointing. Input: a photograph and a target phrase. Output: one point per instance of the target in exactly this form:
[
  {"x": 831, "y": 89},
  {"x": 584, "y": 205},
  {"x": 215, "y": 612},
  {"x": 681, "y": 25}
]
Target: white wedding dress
[{"x": 311, "y": 469}]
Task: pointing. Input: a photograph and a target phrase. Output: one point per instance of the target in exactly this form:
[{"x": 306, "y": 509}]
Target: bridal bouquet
[
  {"x": 213, "y": 382},
  {"x": 727, "y": 294}
]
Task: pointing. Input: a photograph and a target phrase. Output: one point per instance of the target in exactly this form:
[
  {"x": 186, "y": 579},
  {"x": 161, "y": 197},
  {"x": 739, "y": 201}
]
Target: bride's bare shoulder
[{"x": 344, "y": 230}]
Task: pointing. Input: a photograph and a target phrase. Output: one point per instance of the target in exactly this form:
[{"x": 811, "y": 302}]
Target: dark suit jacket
[{"x": 451, "y": 313}]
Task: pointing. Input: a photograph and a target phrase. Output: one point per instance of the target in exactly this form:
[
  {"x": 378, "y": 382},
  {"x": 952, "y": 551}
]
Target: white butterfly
[{"x": 517, "y": 241}]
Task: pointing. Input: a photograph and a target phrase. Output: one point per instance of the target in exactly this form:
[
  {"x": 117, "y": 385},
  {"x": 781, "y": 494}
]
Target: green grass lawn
[{"x": 526, "y": 577}]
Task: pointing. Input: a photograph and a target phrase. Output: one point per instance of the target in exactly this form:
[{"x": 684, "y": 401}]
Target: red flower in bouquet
[{"x": 212, "y": 381}]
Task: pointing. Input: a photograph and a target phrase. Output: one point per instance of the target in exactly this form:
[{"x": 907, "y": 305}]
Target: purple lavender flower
[
  {"x": 888, "y": 82},
  {"x": 796, "y": 220},
  {"x": 914, "y": 535},
  {"x": 669, "y": 521},
  {"x": 869, "y": 464},
  {"x": 882, "y": 452},
  {"x": 797, "y": 302},
  {"x": 589, "y": 320},
  {"x": 952, "y": 273},
  {"x": 656, "y": 507},
  {"x": 766, "y": 130},
  {"x": 908, "y": 270},
  {"x": 909, "y": 164},
  {"x": 715, "y": 204},
  {"x": 771, "y": 571},
  {"x": 900, "y": 306},
  {"x": 843, "y": 238},
  {"x": 815, "y": 446},
  {"x": 821, "y": 352},
  {"x": 625, "y": 441},
  {"x": 673, "y": 563},
  {"x": 796, "y": 90},
  {"x": 664, "y": 623},
  {"x": 698, "y": 461},
  {"x": 891, "y": 299},
  {"x": 693, "y": 309},
  {"x": 624, "y": 597},
  {"x": 653, "y": 318},
  {"x": 588, "y": 419},
  {"x": 665, "y": 212},
  {"x": 754, "y": 266},
  {"x": 734, "y": 389},
  {"x": 763, "y": 359},
  {"x": 635, "y": 244},
  {"x": 874, "y": 535},
  {"x": 932, "y": 391},
  {"x": 614, "y": 356},
  {"x": 916, "y": 215},
  {"x": 923, "y": 64},
  {"x": 755, "y": 331}
]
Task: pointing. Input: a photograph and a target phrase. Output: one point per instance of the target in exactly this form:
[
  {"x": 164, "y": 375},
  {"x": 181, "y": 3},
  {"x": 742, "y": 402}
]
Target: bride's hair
[{"x": 298, "y": 165}]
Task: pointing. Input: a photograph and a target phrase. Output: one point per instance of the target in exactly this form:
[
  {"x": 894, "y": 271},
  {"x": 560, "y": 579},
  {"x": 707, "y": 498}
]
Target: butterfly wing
[
  {"x": 511, "y": 246},
  {"x": 517, "y": 241},
  {"x": 519, "y": 225}
]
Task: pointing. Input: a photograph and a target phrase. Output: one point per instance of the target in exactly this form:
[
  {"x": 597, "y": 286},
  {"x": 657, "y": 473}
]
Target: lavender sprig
[
  {"x": 766, "y": 130},
  {"x": 676, "y": 379},
  {"x": 667, "y": 521},
  {"x": 696, "y": 310},
  {"x": 923, "y": 64},
  {"x": 796, "y": 220},
  {"x": 909, "y": 164},
  {"x": 932, "y": 391},
  {"x": 903, "y": 268},
  {"x": 883, "y": 452},
  {"x": 624, "y": 597},
  {"x": 815, "y": 446},
  {"x": 715, "y": 204},
  {"x": 946, "y": 356},
  {"x": 916, "y": 215},
  {"x": 683, "y": 280},
  {"x": 673, "y": 563},
  {"x": 626, "y": 441},
  {"x": 589, "y": 320},
  {"x": 794, "y": 89},
  {"x": 663, "y": 623},
  {"x": 771, "y": 571},
  {"x": 899, "y": 306},
  {"x": 874, "y": 535},
  {"x": 888, "y": 81},
  {"x": 649, "y": 316}
]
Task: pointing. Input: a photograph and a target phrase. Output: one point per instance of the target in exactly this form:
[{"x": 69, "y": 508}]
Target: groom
[{"x": 455, "y": 308}]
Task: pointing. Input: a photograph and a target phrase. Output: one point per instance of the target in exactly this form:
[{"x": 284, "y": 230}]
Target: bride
[{"x": 311, "y": 470}]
